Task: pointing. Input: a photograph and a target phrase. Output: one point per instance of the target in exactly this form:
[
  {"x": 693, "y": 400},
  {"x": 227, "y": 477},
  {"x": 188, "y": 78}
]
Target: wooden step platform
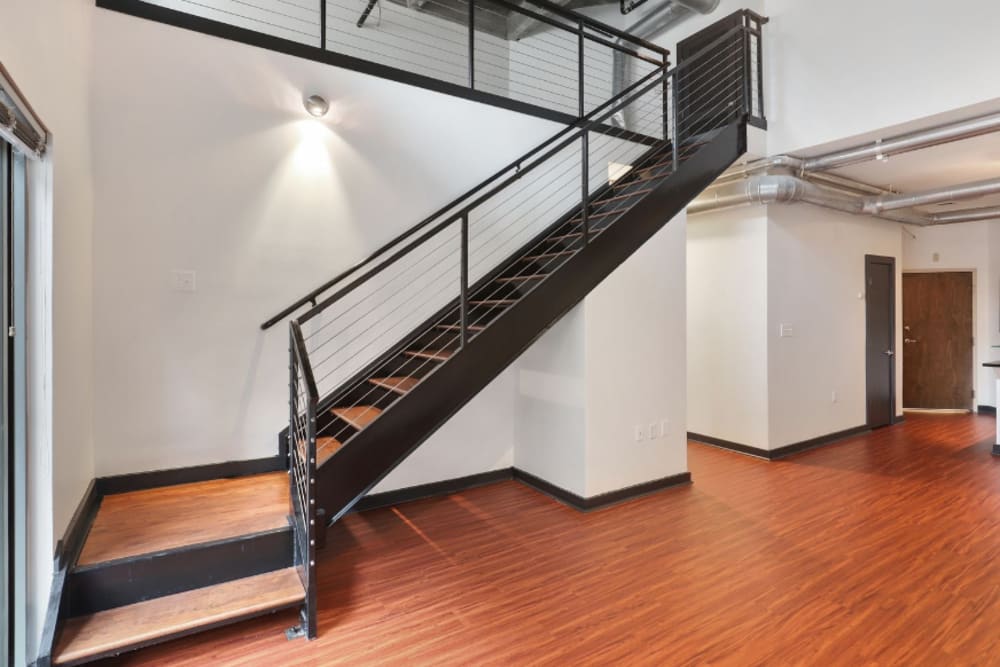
[
  {"x": 358, "y": 416},
  {"x": 143, "y": 522},
  {"x": 433, "y": 355},
  {"x": 522, "y": 279},
  {"x": 399, "y": 385},
  {"x": 109, "y": 632},
  {"x": 325, "y": 448}
]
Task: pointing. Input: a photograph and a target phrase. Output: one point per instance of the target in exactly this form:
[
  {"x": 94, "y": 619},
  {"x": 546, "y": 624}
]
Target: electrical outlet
[
  {"x": 785, "y": 331},
  {"x": 184, "y": 280},
  {"x": 639, "y": 436},
  {"x": 833, "y": 397},
  {"x": 654, "y": 431},
  {"x": 664, "y": 427}
]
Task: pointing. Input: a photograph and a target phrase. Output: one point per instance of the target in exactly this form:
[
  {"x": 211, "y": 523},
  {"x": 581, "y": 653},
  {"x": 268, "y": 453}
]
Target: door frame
[
  {"x": 893, "y": 403},
  {"x": 973, "y": 400}
]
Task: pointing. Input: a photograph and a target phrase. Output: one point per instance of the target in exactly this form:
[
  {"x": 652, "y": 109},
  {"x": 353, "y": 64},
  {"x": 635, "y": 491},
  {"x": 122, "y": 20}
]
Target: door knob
[
  {"x": 889, "y": 353},
  {"x": 910, "y": 340}
]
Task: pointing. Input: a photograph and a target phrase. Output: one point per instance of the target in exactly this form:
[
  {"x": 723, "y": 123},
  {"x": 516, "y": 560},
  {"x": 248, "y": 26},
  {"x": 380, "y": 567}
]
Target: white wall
[
  {"x": 265, "y": 204},
  {"x": 837, "y": 69},
  {"x": 727, "y": 325},
  {"x": 551, "y": 405},
  {"x": 46, "y": 47},
  {"x": 816, "y": 283},
  {"x": 967, "y": 247},
  {"x": 616, "y": 363},
  {"x": 636, "y": 366}
]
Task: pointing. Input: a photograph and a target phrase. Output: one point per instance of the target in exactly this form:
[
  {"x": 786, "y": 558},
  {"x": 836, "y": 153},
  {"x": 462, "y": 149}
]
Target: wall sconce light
[{"x": 316, "y": 105}]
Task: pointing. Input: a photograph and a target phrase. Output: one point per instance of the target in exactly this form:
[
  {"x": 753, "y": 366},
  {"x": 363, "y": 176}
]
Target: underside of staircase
[{"x": 183, "y": 556}]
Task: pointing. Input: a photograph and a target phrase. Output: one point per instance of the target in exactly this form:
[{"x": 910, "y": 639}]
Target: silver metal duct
[
  {"x": 789, "y": 189},
  {"x": 936, "y": 196},
  {"x": 905, "y": 143},
  {"x": 654, "y": 23}
]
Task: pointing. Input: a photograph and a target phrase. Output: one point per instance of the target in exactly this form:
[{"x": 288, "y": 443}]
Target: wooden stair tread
[
  {"x": 325, "y": 448},
  {"x": 135, "y": 625},
  {"x": 170, "y": 517},
  {"x": 400, "y": 385},
  {"x": 358, "y": 416},
  {"x": 493, "y": 302},
  {"x": 519, "y": 279},
  {"x": 637, "y": 193},
  {"x": 458, "y": 327},
  {"x": 435, "y": 355},
  {"x": 547, "y": 255}
]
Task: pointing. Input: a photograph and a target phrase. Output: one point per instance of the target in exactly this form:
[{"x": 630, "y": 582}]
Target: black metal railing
[
  {"x": 533, "y": 53},
  {"x": 303, "y": 401},
  {"x": 437, "y": 277}
]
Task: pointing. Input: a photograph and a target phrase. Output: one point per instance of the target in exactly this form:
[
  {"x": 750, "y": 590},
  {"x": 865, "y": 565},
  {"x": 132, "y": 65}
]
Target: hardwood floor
[
  {"x": 141, "y": 522},
  {"x": 882, "y": 549}
]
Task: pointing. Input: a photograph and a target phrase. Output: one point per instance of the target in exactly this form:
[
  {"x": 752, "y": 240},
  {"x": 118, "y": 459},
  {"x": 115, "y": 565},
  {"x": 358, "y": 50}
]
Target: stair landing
[
  {"x": 105, "y": 633},
  {"x": 152, "y": 520}
]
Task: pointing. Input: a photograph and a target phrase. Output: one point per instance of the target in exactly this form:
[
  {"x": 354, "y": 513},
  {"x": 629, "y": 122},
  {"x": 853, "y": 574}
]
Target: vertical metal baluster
[
  {"x": 579, "y": 73},
  {"x": 745, "y": 70},
  {"x": 666, "y": 98},
  {"x": 676, "y": 116},
  {"x": 585, "y": 185},
  {"x": 760, "y": 72},
  {"x": 464, "y": 287},
  {"x": 322, "y": 24},
  {"x": 585, "y": 143},
  {"x": 472, "y": 44}
]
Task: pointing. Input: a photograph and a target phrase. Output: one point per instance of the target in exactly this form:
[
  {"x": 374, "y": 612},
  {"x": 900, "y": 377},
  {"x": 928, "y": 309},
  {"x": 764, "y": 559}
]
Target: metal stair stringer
[{"x": 375, "y": 451}]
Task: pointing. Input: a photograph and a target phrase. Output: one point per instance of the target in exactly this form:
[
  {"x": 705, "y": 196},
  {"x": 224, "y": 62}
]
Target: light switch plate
[{"x": 184, "y": 280}]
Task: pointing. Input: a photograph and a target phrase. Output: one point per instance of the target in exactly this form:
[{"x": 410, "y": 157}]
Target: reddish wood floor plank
[
  {"x": 882, "y": 550},
  {"x": 144, "y": 622},
  {"x": 140, "y": 522}
]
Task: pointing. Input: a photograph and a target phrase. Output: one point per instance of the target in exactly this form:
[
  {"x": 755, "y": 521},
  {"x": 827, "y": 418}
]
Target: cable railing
[
  {"x": 534, "y": 53},
  {"x": 303, "y": 401},
  {"x": 379, "y": 329},
  {"x": 448, "y": 277}
]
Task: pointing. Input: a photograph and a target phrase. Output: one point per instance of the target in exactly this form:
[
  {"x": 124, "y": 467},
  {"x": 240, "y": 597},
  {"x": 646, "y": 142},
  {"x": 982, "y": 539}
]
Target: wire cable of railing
[
  {"x": 453, "y": 338},
  {"x": 596, "y": 210}
]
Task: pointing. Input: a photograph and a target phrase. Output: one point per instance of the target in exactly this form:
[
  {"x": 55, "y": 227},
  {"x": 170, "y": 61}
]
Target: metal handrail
[
  {"x": 516, "y": 164},
  {"x": 583, "y": 125}
]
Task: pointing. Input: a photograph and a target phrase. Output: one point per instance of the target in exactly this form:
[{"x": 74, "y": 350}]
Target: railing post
[
  {"x": 585, "y": 185},
  {"x": 322, "y": 24},
  {"x": 676, "y": 116},
  {"x": 579, "y": 73},
  {"x": 745, "y": 69},
  {"x": 760, "y": 72},
  {"x": 464, "y": 286},
  {"x": 472, "y": 44},
  {"x": 666, "y": 99}
]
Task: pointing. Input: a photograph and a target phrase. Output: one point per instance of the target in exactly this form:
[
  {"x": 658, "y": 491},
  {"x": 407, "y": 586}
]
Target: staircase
[
  {"x": 410, "y": 335},
  {"x": 388, "y": 351}
]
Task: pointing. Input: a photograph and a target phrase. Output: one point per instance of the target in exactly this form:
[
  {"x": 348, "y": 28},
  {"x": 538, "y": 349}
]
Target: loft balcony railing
[{"x": 529, "y": 55}]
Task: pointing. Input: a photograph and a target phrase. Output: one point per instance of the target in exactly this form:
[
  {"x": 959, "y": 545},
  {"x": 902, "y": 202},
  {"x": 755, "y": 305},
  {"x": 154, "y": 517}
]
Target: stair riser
[
  {"x": 118, "y": 583},
  {"x": 377, "y": 450}
]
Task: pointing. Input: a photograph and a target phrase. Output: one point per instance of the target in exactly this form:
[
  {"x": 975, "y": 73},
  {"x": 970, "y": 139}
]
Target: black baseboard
[
  {"x": 898, "y": 419},
  {"x": 780, "y": 452},
  {"x": 986, "y": 409},
  {"x": 739, "y": 447},
  {"x": 67, "y": 552},
  {"x": 578, "y": 502},
  {"x": 449, "y": 486},
  {"x": 996, "y": 450},
  {"x": 421, "y": 491},
  {"x": 139, "y": 481}
]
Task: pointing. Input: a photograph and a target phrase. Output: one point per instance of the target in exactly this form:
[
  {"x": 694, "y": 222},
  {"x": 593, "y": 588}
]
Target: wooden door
[
  {"x": 937, "y": 340},
  {"x": 880, "y": 323}
]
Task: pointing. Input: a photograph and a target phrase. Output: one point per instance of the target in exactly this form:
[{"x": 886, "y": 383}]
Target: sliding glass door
[{"x": 12, "y": 455}]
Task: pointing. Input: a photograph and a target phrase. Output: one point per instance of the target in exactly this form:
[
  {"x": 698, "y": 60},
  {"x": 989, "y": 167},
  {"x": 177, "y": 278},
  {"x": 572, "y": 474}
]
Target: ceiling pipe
[
  {"x": 652, "y": 24},
  {"x": 788, "y": 189},
  {"x": 936, "y": 196},
  {"x": 905, "y": 143}
]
